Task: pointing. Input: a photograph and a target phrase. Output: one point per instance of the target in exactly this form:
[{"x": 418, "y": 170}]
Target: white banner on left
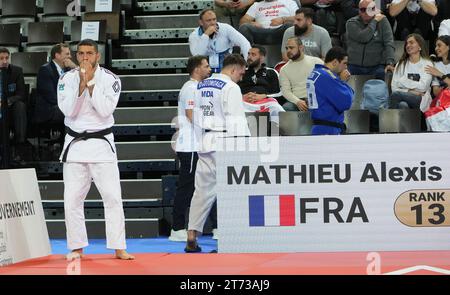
[{"x": 23, "y": 231}]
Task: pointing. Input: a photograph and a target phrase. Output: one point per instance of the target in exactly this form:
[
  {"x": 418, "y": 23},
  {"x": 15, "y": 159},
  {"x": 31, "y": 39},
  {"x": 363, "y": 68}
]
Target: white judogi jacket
[
  {"x": 86, "y": 113},
  {"x": 218, "y": 108}
]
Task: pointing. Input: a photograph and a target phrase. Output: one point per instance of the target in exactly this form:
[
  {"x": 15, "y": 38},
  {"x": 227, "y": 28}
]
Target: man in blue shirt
[{"x": 329, "y": 96}]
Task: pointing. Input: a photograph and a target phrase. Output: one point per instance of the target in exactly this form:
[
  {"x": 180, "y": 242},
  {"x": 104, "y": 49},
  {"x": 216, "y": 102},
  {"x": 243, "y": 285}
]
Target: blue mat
[{"x": 155, "y": 245}]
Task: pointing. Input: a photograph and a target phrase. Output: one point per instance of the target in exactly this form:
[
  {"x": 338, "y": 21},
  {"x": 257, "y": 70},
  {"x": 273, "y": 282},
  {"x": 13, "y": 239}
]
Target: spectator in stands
[
  {"x": 410, "y": 82},
  {"x": 88, "y": 97},
  {"x": 413, "y": 16},
  {"x": 17, "y": 105},
  {"x": 265, "y": 21},
  {"x": 233, "y": 9},
  {"x": 327, "y": 107},
  {"x": 442, "y": 19},
  {"x": 260, "y": 86},
  {"x": 186, "y": 145},
  {"x": 46, "y": 109},
  {"x": 441, "y": 69},
  {"x": 370, "y": 42},
  {"x": 332, "y": 15},
  {"x": 315, "y": 39},
  {"x": 294, "y": 74},
  {"x": 215, "y": 40}
]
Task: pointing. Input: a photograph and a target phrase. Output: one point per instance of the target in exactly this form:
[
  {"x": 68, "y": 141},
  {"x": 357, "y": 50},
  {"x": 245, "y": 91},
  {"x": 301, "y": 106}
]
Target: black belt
[
  {"x": 341, "y": 126},
  {"x": 84, "y": 136},
  {"x": 210, "y": 130}
]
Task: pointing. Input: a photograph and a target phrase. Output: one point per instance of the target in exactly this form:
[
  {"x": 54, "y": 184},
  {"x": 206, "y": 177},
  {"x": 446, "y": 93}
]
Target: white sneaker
[
  {"x": 178, "y": 235},
  {"x": 215, "y": 234}
]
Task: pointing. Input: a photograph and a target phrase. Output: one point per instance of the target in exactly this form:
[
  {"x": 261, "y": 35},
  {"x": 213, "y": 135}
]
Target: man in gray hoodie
[{"x": 370, "y": 42}]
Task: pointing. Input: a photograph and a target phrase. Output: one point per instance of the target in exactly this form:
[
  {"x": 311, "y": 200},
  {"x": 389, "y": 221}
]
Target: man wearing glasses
[
  {"x": 370, "y": 42},
  {"x": 88, "y": 96}
]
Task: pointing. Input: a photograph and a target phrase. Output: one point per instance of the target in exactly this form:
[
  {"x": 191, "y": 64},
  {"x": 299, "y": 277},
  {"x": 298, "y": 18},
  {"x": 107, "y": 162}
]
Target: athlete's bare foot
[
  {"x": 75, "y": 254},
  {"x": 122, "y": 254}
]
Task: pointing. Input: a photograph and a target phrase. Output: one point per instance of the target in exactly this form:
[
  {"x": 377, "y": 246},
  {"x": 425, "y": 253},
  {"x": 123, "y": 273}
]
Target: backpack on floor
[{"x": 375, "y": 96}]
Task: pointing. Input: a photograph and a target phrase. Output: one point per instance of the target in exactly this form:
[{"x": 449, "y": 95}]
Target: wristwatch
[{"x": 90, "y": 83}]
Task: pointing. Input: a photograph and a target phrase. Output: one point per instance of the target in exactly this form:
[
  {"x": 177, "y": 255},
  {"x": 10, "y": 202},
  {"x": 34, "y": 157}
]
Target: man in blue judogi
[{"x": 329, "y": 96}]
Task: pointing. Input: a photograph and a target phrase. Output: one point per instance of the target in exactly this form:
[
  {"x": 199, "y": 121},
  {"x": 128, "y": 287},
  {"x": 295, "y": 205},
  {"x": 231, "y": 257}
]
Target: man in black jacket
[
  {"x": 259, "y": 81},
  {"x": 46, "y": 110},
  {"x": 16, "y": 96}
]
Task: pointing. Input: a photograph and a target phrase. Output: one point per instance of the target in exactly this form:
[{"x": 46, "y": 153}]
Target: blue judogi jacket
[{"x": 328, "y": 98}]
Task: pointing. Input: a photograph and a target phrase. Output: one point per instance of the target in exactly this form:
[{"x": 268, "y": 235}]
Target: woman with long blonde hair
[{"x": 410, "y": 82}]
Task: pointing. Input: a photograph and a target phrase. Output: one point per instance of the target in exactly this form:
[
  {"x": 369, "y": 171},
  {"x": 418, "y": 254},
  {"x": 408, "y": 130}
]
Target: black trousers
[
  {"x": 18, "y": 121},
  {"x": 185, "y": 190}
]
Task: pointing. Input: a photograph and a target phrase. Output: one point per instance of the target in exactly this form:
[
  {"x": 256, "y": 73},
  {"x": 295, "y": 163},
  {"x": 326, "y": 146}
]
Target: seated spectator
[
  {"x": 17, "y": 105},
  {"x": 370, "y": 42},
  {"x": 293, "y": 75},
  {"x": 215, "y": 40},
  {"x": 332, "y": 15},
  {"x": 441, "y": 69},
  {"x": 46, "y": 109},
  {"x": 413, "y": 16},
  {"x": 260, "y": 86},
  {"x": 410, "y": 83},
  {"x": 315, "y": 39},
  {"x": 232, "y": 9},
  {"x": 265, "y": 21}
]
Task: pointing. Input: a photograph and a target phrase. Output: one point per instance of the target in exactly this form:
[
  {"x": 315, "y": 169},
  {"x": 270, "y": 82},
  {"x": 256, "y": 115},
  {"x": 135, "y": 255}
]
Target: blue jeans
[
  {"x": 404, "y": 100},
  {"x": 377, "y": 71},
  {"x": 290, "y": 107}
]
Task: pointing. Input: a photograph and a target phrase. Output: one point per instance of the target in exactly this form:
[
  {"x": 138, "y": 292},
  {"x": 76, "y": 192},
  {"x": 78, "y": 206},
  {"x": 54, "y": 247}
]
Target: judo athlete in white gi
[
  {"x": 218, "y": 112},
  {"x": 88, "y": 96},
  {"x": 186, "y": 145}
]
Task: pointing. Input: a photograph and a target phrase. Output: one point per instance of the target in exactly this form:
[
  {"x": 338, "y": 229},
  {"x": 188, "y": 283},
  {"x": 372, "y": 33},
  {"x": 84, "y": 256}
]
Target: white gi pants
[
  {"x": 77, "y": 182},
  {"x": 205, "y": 191}
]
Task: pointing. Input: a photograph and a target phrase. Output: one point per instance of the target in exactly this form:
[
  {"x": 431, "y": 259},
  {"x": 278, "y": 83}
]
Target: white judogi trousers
[
  {"x": 77, "y": 182},
  {"x": 205, "y": 191}
]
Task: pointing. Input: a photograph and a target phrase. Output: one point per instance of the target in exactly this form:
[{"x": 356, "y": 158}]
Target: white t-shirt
[
  {"x": 445, "y": 69},
  {"x": 412, "y": 77},
  {"x": 186, "y": 140},
  {"x": 263, "y": 12},
  {"x": 444, "y": 28},
  {"x": 413, "y": 6}
]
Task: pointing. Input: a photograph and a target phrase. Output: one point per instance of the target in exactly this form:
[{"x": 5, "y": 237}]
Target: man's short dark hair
[
  {"x": 307, "y": 12},
  {"x": 335, "y": 53},
  {"x": 57, "y": 49},
  {"x": 234, "y": 60},
  {"x": 297, "y": 40},
  {"x": 262, "y": 49},
  {"x": 202, "y": 13},
  {"x": 88, "y": 42},
  {"x": 194, "y": 62},
  {"x": 4, "y": 50}
]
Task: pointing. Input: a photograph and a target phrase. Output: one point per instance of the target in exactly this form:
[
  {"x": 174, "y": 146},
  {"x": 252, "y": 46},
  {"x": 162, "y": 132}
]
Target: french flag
[{"x": 272, "y": 210}]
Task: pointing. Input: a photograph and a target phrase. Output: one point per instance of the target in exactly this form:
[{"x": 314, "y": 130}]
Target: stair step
[
  {"x": 172, "y": 5},
  {"x": 132, "y": 189},
  {"x": 150, "y": 63},
  {"x": 145, "y": 34},
  {"x": 145, "y": 115},
  {"x": 179, "y": 21},
  {"x": 136, "y": 51},
  {"x": 145, "y": 150},
  {"x": 153, "y": 81},
  {"x": 135, "y": 228}
]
